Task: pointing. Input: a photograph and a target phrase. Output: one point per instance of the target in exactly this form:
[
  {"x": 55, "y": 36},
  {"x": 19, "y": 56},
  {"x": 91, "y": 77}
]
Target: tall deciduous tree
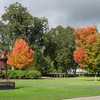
[
  {"x": 84, "y": 37},
  {"x": 59, "y": 46},
  {"x": 66, "y": 47},
  {"x": 18, "y": 21},
  {"x": 94, "y": 55}
]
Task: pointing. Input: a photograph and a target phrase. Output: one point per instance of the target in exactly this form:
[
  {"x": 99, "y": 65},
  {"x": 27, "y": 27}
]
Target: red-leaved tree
[
  {"x": 84, "y": 37},
  {"x": 80, "y": 57}
]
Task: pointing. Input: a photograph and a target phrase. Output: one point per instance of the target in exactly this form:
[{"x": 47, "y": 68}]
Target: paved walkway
[{"x": 86, "y": 98}]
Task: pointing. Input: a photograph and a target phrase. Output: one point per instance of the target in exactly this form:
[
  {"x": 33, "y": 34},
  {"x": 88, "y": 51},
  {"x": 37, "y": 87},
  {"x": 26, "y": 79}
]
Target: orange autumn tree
[
  {"x": 21, "y": 55},
  {"x": 84, "y": 37}
]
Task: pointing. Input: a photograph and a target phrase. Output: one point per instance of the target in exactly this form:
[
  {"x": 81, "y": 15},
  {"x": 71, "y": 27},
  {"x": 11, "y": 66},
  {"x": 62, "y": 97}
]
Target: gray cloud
[{"x": 64, "y": 12}]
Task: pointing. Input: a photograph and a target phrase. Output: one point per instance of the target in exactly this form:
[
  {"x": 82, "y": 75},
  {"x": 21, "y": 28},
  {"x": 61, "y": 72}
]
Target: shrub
[
  {"x": 33, "y": 74},
  {"x": 15, "y": 74},
  {"x": 22, "y": 74},
  {"x": 12, "y": 74}
]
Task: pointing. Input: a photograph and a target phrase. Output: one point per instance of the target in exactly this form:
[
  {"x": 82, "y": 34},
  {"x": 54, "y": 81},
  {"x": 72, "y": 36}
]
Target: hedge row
[{"x": 22, "y": 74}]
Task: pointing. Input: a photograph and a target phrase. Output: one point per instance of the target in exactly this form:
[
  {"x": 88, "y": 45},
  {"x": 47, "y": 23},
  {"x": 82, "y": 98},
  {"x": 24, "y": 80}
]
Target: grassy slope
[{"x": 51, "y": 89}]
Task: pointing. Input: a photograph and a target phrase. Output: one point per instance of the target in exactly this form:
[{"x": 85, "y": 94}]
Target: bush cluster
[{"x": 21, "y": 74}]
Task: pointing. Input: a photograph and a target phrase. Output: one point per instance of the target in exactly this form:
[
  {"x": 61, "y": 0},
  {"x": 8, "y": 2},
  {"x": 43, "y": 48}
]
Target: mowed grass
[{"x": 52, "y": 89}]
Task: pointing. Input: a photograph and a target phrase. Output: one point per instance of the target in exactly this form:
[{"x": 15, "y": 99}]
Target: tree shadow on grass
[
  {"x": 22, "y": 87},
  {"x": 19, "y": 87}
]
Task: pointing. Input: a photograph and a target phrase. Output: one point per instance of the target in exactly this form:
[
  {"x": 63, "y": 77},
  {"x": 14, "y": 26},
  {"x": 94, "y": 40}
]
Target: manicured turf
[{"x": 51, "y": 89}]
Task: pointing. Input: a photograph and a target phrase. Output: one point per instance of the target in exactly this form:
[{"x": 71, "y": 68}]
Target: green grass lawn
[{"x": 51, "y": 89}]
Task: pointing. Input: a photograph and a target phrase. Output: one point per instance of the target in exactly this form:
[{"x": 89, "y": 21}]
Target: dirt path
[{"x": 86, "y": 98}]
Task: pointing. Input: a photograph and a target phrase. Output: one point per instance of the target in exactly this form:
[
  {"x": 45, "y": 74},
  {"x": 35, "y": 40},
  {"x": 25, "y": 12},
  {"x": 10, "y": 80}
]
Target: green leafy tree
[
  {"x": 66, "y": 46},
  {"x": 94, "y": 55},
  {"x": 3, "y": 39},
  {"x": 59, "y": 46},
  {"x": 19, "y": 22}
]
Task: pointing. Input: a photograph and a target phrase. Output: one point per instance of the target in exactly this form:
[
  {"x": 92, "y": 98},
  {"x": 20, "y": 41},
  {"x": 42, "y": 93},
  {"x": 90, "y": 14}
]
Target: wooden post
[{"x": 6, "y": 68}]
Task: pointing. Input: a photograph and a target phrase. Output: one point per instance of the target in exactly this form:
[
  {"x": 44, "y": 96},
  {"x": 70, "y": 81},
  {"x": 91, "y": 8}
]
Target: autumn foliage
[
  {"x": 80, "y": 56},
  {"x": 21, "y": 55},
  {"x": 84, "y": 37}
]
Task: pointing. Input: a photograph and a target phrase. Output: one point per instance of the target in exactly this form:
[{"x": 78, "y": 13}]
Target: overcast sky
[{"x": 64, "y": 12}]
